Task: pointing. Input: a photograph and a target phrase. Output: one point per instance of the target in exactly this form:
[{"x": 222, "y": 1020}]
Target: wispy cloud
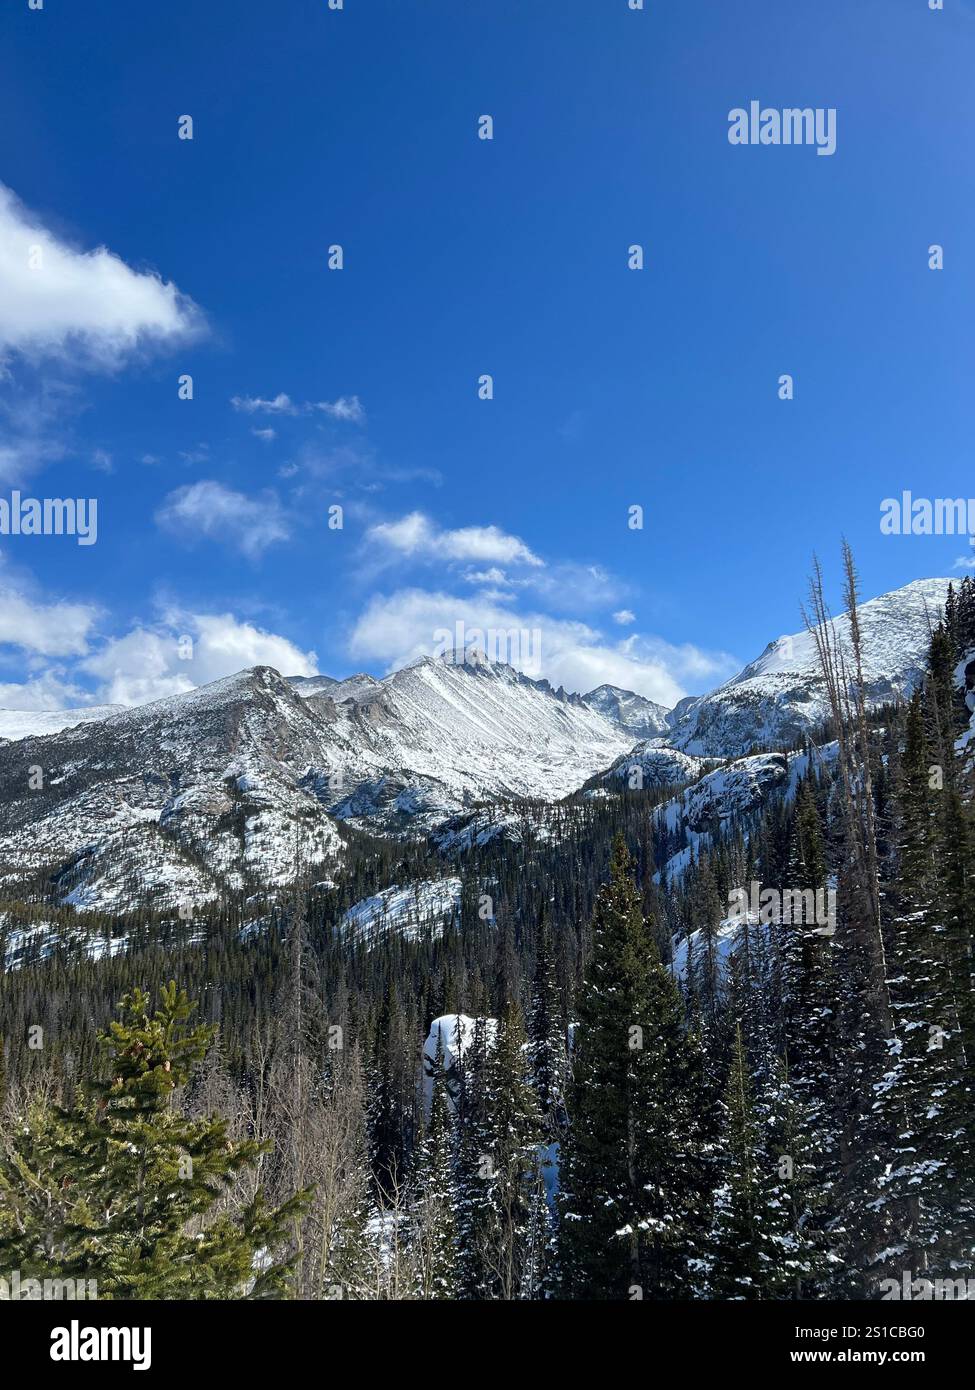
[
  {"x": 416, "y": 536},
  {"x": 210, "y": 510},
  {"x": 347, "y": 408}
]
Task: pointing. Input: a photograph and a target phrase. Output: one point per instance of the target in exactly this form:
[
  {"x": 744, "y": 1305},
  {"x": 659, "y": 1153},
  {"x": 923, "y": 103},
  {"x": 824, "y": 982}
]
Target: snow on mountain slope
[
  {"x": 725, "y": 940},
  {"x": 780, "y": 697},
  {"x": 16, "y": 724},
  {"x": 653, "y": 764},
  {"x": 183, "y": 798},
  {"x": 206, "y": 793},
  {"x": 421, "y": 908},
  {"x": 449, "y": 1039},
  {"x": 638, "y": 716},
  {"x": 965, "y": 680},
  {"x": 439, "y": 736},
  {"x": 721, "y": 798},
  {"x": 313, "y": 685}
]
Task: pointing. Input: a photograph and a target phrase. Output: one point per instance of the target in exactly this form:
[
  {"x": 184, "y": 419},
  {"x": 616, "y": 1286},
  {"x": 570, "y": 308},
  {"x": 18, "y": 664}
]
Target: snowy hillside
[
  {"x": 653, "y": 764},
  {"x": 448, "y": 1041},
  {"x": 729, "y": 794},
  {"x": 779, "y": 697},
  {"x": 16, "y": 724},
  {"x": 420, "y": 909},
  {"x": 177, "y": 800}
]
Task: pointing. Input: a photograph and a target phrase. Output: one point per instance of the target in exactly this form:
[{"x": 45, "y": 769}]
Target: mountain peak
[{"x": 779, "y": 697}]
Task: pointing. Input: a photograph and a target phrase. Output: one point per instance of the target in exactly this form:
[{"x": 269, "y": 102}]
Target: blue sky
[{"x": 359, "y": 387}]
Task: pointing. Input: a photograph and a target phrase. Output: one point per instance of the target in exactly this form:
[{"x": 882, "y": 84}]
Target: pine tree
[
  {"x": 119, "y": 1189},
  {"x": 434, "y": 1216},
  {"x": 474, "y": 1170},
  {"x": 547, "y": 1035},
  {"x": 799, "y": 1177},
  {"x": 630, "y": 1201},
  {"x": 748, "y": 1247},
  {"x": 925, "y": 1202},
  {"x": 514, "y": 1132}
]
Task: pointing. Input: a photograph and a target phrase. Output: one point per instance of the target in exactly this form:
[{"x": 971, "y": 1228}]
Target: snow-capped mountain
[
  {"x": 221, "y": 789},
  {"x": 635, "y": 713},
  {"x": 780, "y": 696},
  {"x": 439, "y": 735}
]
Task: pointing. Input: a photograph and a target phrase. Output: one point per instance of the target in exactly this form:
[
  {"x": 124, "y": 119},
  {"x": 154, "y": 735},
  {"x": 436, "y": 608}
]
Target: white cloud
[
  {"x": 397, "y": 628},
  {"x": 416, "y": 535},
  {"x": 266, "y": 435},
  {"x": 141, "y": 666},
  {"x": 492, "y": 576},
  {"x": 33, "y": 427},
  {"x": 210, "y": 510},
  {"x": 52, "y": 629},
  {"x": 201, "y": 454},
  {"x": 88, "y": 306},
  {"x": 348, "y": 408},
  {"x": 624, "y": 617},
  {"x": 345, "y": 408},
  {"x": 47, "y": 691},
  {"x": 280, "y": 404},
  {"x": 150, "y": 663}
]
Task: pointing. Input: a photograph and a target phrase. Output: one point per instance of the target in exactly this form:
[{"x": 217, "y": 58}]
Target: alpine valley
[{"x": 481, "y": 1014}]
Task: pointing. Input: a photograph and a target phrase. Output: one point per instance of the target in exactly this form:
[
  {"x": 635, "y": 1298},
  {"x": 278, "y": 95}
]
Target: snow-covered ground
[
  {"x": 415, "y": 911},
  {"x": 722, "y": 797}
]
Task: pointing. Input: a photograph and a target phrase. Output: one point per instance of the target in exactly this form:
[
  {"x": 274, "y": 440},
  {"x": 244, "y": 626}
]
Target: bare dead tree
[{"x": 846, "y": 695}]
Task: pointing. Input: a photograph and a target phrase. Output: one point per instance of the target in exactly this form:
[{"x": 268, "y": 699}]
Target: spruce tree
[
  {"x": 631, "y": 1204},
  {"x": 747, "y": 1246},
  {"x": 434, "y": 1216},
  {"x": 547, "y": 1035},
  {"x": 119, "y": 1188},
  {"x": 514, "y": 1132}
]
